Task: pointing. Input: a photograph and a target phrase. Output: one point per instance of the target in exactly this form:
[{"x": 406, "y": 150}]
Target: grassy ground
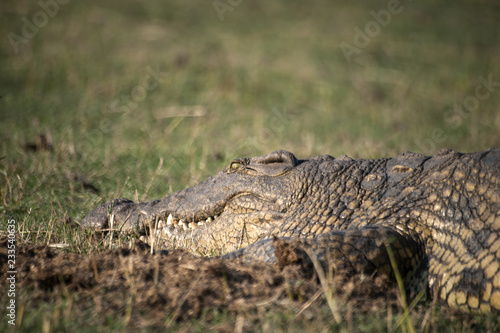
[{"x": 140, "y": 100}]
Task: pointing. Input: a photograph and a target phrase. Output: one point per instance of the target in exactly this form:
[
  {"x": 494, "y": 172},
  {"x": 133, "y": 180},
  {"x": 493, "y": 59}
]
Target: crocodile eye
[{"x": 235, "y": 165}]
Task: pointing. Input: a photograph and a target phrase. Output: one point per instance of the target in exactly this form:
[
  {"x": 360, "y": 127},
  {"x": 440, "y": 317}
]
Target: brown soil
[{"x": 175, "y": 286}]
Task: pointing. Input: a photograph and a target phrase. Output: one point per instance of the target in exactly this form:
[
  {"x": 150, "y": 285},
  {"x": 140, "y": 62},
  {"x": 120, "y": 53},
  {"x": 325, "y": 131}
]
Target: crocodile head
[{"x": 240, "y": 205}]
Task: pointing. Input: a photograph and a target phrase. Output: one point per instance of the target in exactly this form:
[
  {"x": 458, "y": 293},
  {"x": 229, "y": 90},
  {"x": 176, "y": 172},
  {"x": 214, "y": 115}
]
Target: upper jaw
[
  {"x": 228, "y": 213},
  {"x": 180, "y": 212}
]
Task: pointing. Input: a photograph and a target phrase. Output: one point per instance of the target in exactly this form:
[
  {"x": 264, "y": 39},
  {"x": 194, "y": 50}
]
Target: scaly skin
[{"x": 439, "y": 216}]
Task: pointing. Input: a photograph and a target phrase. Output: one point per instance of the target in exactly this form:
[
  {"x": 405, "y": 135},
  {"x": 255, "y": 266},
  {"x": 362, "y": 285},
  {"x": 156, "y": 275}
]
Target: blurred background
[{"x": 139, "y": 99}]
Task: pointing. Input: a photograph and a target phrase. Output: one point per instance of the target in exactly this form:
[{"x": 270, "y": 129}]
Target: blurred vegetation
[{"x": 83, "y": 119}]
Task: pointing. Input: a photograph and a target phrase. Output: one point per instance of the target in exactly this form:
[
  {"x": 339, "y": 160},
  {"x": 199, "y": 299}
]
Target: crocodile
[{"x": 434, "y": 220}]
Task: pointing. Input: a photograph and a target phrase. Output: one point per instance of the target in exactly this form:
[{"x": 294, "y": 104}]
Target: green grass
[{"x": 270, "y": 76}]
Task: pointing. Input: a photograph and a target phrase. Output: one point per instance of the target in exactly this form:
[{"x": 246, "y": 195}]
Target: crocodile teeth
[
  {"x": 174, "y": 222},
  {"x": 184, "y": 225}
]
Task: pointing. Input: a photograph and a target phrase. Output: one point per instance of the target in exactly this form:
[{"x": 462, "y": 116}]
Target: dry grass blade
[
  {"x": 327, "y": 290},
  {"x": 59, "y": 246},
  {"x": 401, "y": 287},
  {"x": 310, "y": 302}
]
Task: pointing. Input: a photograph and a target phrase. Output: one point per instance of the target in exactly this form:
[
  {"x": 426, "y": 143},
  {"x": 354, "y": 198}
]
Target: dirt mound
[{"x": 175, "y": 286}]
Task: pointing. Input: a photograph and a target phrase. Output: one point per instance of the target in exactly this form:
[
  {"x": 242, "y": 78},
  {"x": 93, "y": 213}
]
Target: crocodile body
[{"x": 435, "y": 219}]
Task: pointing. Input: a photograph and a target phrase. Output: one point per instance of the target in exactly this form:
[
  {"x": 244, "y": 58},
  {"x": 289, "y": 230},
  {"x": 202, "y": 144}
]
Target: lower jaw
[{"x": 226, "y": 233}]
